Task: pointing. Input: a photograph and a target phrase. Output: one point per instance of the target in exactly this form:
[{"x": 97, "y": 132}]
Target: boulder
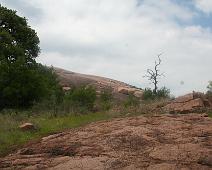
[
  {"x": 66, "y": 88},
  {"x": 27, "y": 127},
  {"x": 123, "y": 90},
  {"x": 138, "y": 94},
  {"x": 191, "y": 102},
  {"x": 184, "y": 98}
]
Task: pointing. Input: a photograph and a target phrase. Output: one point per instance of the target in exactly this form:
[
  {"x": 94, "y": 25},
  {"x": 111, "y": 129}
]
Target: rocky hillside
[
  {"x": 120, "y": 89},
  {"x": 161, "y": 142}
]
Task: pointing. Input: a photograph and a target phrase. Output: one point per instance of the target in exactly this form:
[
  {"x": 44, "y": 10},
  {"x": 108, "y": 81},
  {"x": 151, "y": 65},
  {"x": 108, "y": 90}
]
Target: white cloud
[
  {"x": 204, "y": 5},
  {"x": 120, "y": 39}
]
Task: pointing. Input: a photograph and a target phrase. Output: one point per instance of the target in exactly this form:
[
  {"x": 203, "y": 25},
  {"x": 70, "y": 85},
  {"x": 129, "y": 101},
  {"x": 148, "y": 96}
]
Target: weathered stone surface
[
  {"x": 123, "y": 90},
  {"x": 185, "y": 98},
  {"x": 71, "y": 79},
  {"x": 192, "y": 102},
  {"x": 138, "y": 94},
  {"x": 27, "y": 126},
  {"x": 66, "y": 88},
  {"x": 155, "y": 142}
]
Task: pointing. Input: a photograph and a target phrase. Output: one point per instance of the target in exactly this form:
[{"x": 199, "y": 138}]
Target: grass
[
  {"x": 210, "y": 114},
  {"x": 11, "y": 137}
]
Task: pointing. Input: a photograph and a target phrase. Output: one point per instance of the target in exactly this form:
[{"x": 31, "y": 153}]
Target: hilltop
[{"x": 69, "y": 79}]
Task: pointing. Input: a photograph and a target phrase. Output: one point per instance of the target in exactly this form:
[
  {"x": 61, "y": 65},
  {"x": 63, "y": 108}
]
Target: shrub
[
  {"x": 161, "y": 94},
  {"x": 209, "y": 87},
  {"x": 106, "y": 99},
  {"x": 81, "y": 99},
  {"x": 131, "y": 101},
  {"x": 148, "y": 94},
  {"x": 209, "y": 92}
]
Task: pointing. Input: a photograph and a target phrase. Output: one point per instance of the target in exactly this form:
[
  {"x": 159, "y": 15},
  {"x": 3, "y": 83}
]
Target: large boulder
[
  {"x": 124, "y": 90},
  {"x": 127, "y": 91},
  {"x": 138, "y": 94},
  {"x": 192, "y": 102}
]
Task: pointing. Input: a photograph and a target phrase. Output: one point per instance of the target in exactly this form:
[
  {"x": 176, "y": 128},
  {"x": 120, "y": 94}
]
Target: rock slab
[
  {"x": 192, "y": 102},
  {"x": 177, "y": 142}
]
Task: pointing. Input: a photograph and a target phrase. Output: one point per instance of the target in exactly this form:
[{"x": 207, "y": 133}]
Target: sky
[{"x": 121, "y": 39}]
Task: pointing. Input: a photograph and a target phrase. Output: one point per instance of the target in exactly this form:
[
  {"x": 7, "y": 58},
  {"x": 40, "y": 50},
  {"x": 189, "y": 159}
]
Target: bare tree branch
[{"x": 154, "y": 75}]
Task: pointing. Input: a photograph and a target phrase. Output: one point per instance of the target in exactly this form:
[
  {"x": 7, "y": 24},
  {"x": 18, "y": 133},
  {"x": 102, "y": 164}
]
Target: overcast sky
[{"x": 120, "y": 39}]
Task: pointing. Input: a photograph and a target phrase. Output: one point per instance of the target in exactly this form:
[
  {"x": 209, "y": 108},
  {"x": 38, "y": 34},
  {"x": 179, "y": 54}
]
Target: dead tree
[{"x": 154, "y": 75}]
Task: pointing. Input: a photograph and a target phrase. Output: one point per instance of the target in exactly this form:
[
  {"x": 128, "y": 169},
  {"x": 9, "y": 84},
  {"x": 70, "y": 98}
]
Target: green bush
[
  {"x": 81, "y": 99},
  {"x": 209, "y": 87},
  {"x": 148, "y": 94},
  {"x": 131, "y": 101},
  {"x": 106, "y": 98},
  {"x": 209, "y": 92},
  {"x": 161, "y": 94}
]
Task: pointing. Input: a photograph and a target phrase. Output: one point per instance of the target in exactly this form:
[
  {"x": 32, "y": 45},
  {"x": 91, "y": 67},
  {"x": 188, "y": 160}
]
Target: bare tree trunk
[{"x": 153, "y": 75}]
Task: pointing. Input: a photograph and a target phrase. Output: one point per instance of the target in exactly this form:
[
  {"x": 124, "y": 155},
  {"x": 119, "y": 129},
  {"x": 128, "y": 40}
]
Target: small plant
[
  {"x": 209, "y": 92},
  {"x": 81, "y": 99},
  {"x": 131, "y": 101},
  {"x": 209, "y": 87},
  {"x": 163, "y": 93},
  {"x": 106, "y": 98},
  {"x": 148, "y": 94}
]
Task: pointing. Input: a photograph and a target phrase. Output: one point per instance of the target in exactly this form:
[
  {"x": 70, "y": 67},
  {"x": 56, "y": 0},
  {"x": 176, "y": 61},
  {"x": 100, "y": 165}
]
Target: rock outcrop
[
  {"x": 152, "y": 143},
  {"x": 133, "y": 91},
  {"x": 120, "y": 89},
  {"x": 192, "y": 102}
]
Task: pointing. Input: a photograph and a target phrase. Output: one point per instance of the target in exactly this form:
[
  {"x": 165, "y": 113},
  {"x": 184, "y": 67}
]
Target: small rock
[
  {"x": 27, "y": 126},
  {"x": 204, "y": 115},
  {"x": 66, "y": 88}
]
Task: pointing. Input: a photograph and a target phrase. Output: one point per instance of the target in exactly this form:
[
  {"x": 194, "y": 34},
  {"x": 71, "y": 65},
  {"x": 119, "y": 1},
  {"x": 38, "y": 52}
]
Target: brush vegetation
[{"x": 30, "y": 92}]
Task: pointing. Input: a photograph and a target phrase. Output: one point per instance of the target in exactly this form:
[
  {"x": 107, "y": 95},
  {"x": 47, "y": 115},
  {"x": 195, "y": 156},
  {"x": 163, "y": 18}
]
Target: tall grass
[
  {"x": 12, "y": 137},
  {"x": 48, "y": 122}
]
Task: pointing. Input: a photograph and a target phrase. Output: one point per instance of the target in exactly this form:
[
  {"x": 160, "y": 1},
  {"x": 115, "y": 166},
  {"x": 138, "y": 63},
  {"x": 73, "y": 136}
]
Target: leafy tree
[
  {"x": 22, "y": 80},
  {"x": 18, "y": 41}
]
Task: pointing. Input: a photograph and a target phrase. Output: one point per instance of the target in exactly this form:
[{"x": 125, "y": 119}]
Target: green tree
[
  {"x": 18, "y": 41},
  {"x": 22, "y": 80}
]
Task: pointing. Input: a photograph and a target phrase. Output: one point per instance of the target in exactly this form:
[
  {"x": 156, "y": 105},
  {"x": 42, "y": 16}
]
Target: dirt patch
[{"x": 157, "y": 142}]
